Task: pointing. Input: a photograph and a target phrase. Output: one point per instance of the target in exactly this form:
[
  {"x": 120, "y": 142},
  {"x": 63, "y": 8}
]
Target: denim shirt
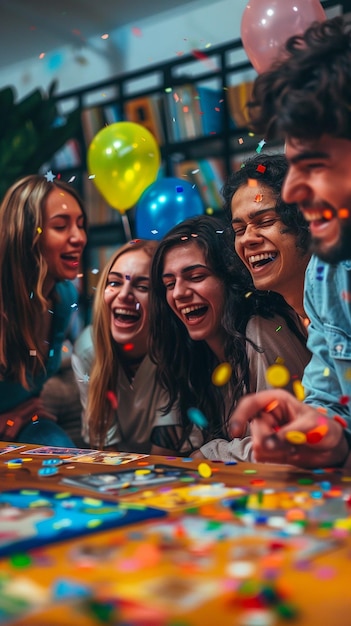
[{"x": 327, "y": 377}]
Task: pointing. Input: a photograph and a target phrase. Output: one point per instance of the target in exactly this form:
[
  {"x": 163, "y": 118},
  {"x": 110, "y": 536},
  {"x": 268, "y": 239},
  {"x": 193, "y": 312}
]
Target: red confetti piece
[
  {"x": 112, "y": 398},
  {"x": 340, "y": 420},
  {"x": 136, "y": 31},
  {"x": 346, "y": 295},
  {"x": 343, "y": 214},
  {"x": 328, "y": 214},
  {"x": 313, "y": 437},
  {"x": 344, "y": 400},
  {"x": 261, "y": 168},
  {"x": 316, "y": 434},
  {"x": 199, "y": 55},
  {"x": 128, "y": 347},
  {"x": 10, "y": 423},
  {"x": 271, "y": 406}
]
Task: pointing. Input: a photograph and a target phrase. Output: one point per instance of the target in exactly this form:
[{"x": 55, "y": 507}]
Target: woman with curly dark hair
[{"x": 205, "y": 314}]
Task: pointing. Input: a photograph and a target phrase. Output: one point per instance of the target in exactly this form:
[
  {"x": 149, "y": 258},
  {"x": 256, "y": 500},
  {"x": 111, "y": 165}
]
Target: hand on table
[
  {"x": 275, "y": 413},
  {"x": 197, "y": 454}
]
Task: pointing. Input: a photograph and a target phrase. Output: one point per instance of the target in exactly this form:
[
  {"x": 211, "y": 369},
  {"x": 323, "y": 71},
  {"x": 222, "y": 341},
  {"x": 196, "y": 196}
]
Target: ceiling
[{"x": 30, "y": 27}]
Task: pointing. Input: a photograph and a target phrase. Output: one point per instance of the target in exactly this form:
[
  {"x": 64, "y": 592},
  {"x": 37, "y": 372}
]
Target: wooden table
[{"x": 183, "y": 575}]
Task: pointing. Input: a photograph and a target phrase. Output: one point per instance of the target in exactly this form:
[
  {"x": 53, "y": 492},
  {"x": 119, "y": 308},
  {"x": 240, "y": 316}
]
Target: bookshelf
[{"x": 195, "y": 107}]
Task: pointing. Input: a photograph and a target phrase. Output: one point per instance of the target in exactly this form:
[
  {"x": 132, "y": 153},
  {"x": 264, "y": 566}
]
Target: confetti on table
[{"x": 204, "y": 470}]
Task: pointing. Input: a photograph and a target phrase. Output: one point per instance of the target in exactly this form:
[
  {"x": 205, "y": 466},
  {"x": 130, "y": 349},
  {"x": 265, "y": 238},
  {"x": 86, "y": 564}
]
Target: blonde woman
[{"x": 121, "y": 398}]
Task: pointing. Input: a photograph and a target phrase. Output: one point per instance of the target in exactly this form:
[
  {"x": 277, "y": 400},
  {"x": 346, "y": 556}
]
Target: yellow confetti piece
[
  {"x": 277, "y": 375},
  {"x": 298, "y": 390},
  {"x": 39, "y": 230},
  {"x": 93, "y": 523},
  {"x": 221, "y": 374},
  {"x": 296, "y": 437},
  {"x": 326, "y": 371},
  {"x": 142, "y": 472},
  {"x": 92, "y": 502},
  {"x": 204, "y": 470}
]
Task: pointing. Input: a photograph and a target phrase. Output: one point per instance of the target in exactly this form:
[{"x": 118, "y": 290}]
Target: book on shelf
[
  {"x": 208, "y": 175},
  {"x": 112, "y": 113},
  {"x": 238, "y": 96},
  {"x": 69, "y": 156},
  {"x": 97, "y": 209},
  {"x": 211, "y": 110},
  {"x": 147, "y": 112},
  {"x": 194, "y": 112},
  {"x": 92, "y": 121},
  {"x": 97, "y": 117},
  {"x": 183, "y": 113}
]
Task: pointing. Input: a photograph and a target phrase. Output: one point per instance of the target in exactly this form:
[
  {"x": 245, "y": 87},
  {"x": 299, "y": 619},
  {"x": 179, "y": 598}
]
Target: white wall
[{"x": 160, "y": 38}]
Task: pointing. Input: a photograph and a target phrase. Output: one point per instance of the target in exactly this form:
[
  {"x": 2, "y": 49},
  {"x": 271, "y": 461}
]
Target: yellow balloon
[{"x": 123, "y": 159}]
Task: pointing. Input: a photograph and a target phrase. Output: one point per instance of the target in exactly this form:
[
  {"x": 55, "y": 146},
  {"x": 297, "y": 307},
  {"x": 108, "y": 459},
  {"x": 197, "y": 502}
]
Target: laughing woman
[
  {"x": 42, "y": 236},
  {"x": 201, "y": 316},
  {"x": 119, "y": 392}
]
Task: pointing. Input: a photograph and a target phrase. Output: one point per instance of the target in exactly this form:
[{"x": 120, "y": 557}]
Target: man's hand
[{"x": 275, "y": 417}]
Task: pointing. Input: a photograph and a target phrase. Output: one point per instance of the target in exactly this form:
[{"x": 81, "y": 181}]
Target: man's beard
[{"x": 340, "y": 252}]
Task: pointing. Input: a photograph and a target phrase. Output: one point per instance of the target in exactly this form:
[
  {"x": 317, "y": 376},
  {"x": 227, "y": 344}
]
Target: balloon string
[{"x": 126, "y": 226}]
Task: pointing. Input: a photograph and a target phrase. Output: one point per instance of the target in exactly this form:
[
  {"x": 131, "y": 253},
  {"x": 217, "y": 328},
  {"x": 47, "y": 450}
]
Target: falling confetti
[
  {"x": 221, "y": 374},
  {"x": 298, "y": 390},
  {"x": 197, "y": 417},
  {"x": 112, "y": 398},
  {"x": 277, "y": 375},
  {"x": 50, "y": 176}
]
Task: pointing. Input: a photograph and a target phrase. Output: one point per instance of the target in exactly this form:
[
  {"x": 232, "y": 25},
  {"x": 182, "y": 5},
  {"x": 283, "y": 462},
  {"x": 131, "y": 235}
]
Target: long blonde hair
[
  {"x": 103, "y": 376},
  {"x": 22, "y": 273}
]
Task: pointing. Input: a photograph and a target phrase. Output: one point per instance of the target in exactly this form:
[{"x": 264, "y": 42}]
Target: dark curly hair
[
  {"x": 275, "y": 169},
  {"x": 185, "y": 366},
  {"x": 308, "y": 92}
]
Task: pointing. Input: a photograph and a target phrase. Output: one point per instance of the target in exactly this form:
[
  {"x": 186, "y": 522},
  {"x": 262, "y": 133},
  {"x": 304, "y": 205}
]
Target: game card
[
  {"x": 109, "y": 482},
  {"x": 106, "y": 458},
  {"x": 11, "y": 448},
  {"x": 62, "y": 452}
]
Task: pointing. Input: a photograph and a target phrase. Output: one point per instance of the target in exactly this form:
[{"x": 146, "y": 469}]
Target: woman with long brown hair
[{"x": 42, "y": 236}]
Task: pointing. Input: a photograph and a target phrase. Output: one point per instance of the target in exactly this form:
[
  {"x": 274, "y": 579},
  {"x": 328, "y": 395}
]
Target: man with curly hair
[{"x": 305, "y": 99}]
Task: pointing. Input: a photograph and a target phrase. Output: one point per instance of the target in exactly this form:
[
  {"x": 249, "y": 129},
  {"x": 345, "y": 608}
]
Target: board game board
[{"x": 30, "y": 517}]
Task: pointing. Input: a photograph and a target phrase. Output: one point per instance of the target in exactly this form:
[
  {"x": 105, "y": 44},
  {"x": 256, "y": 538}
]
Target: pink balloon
[{"x": 267, "y": 24}]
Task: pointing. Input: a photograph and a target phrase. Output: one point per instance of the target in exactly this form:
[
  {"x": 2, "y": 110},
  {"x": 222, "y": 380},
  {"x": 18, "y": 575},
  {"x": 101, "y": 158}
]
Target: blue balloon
[{"x": 164, "y": 204}]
